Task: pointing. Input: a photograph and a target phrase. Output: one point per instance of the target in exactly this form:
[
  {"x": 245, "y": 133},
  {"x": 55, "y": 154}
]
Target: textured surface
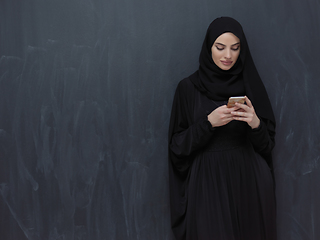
[{"x": 85, "y": 95}]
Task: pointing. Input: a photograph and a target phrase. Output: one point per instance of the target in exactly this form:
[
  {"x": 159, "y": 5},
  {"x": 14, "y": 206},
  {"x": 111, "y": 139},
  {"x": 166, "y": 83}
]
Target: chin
[{"x": 223, "y": 67}]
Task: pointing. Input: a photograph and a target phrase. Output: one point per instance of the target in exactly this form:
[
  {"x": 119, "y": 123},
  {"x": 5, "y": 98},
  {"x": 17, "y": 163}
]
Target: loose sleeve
[
  {"x": 186, "y": 136},
  {"x": 263, "y": 137},
  {"x": 192, "y": 138}
]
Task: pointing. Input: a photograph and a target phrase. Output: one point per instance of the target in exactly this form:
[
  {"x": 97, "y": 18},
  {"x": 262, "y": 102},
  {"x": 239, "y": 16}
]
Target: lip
[{"x": 227, "y": 63}]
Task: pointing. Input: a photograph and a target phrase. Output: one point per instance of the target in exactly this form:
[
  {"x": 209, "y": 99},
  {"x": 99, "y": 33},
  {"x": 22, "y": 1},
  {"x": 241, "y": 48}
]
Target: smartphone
[{"x": 233, "y": 100}]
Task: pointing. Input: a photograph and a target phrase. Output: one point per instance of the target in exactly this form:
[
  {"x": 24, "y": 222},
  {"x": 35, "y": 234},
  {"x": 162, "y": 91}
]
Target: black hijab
[
  {"x": 241, "y": 79},
  {"x": 216, "y": 84}
]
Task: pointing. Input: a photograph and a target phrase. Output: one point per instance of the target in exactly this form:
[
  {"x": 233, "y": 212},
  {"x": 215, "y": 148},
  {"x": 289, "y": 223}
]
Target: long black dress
[{"x": 221, "y": 188}]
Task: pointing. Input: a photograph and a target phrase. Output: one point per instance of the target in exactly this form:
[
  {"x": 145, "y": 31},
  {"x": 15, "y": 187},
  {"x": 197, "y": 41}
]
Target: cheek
[
  {"x": 215, "y": 55},
  {"x": 237, "y": 55}
]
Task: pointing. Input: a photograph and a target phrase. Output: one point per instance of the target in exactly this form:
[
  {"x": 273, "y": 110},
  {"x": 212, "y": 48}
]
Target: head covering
[
  {"x": 216, "y": 84},
  {"x": 241, "y": 79}
]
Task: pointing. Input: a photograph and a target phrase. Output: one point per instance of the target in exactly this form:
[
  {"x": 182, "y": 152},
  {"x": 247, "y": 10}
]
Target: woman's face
[{"x": 225, "y": 50}]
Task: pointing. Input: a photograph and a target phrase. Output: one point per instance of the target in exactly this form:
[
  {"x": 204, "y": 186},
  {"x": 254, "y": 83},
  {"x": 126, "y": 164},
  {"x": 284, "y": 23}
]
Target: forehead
[{"x": 227, "y": 38}]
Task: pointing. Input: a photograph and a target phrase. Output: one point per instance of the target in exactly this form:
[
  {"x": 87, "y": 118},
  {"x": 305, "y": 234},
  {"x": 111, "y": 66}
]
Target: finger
[
  {"x": 239, "y": 113},
  {"x": 243, "y": 106},
  {"x": 236, "y": 108},
  {"x": 242, "y": 115},
  {"x": 227, "y": 116},
  {"x": 248, "y": 101},
  {"x": 229, "y": 110},
  {"x": 241, "y": 119}
]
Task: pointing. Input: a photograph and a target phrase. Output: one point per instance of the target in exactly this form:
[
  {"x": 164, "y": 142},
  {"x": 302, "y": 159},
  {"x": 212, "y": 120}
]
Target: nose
[{"x": 228, "y": 54}]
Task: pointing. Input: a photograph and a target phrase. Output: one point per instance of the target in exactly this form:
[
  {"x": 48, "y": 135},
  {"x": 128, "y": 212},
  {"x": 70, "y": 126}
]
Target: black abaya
[
  {"x": 221, "y": 187},
  {"x": 221, "y": 184}
]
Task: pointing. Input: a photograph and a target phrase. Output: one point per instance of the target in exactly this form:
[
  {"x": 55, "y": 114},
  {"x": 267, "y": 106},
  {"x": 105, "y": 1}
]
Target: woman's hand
[
  {"x": 221, "y": 116},
  {"x": 247, "y": 114}
]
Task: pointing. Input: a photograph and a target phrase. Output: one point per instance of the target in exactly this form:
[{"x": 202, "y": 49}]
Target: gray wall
[{"x": 86, "y": 88}]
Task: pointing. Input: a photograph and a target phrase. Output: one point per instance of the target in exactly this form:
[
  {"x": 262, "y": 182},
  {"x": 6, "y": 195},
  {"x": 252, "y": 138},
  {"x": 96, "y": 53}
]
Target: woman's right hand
[{"x": 221, "y": 116}]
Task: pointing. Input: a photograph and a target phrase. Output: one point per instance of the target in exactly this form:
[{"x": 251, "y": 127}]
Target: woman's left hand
[{"x": 247, "y": 114}]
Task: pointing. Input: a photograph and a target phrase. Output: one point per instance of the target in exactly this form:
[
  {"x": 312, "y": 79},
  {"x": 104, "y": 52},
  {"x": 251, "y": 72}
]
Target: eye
[
  {"x": 219, "y": 48},
  {"x": 235, "y": 49}
]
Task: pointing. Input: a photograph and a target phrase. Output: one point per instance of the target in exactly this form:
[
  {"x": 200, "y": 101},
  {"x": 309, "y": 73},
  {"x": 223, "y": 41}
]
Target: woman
[{"x": 221, "y": 184}]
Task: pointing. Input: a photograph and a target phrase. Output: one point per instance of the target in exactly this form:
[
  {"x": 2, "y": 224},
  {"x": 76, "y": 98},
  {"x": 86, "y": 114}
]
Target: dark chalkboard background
[{"x": 86, "y": 88}]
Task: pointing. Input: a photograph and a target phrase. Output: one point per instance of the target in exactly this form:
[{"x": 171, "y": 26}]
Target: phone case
[{"x": 233, "y": 100}]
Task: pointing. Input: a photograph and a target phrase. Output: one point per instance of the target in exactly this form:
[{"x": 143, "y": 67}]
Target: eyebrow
[{"x": 231, "y": 45}]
